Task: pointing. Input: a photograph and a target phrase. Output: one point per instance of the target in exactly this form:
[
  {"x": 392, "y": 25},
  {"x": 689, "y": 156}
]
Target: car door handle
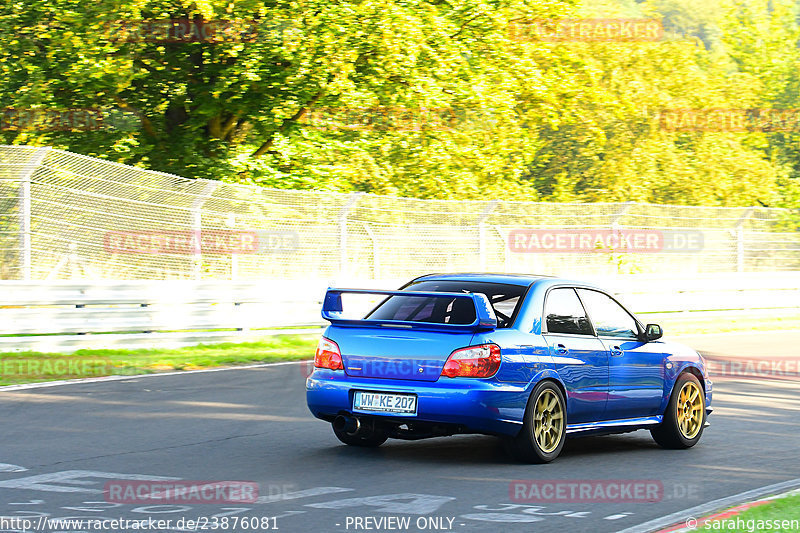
[
  {"x": 561, "y": 349},
  {"x": 616, "y": 351}
]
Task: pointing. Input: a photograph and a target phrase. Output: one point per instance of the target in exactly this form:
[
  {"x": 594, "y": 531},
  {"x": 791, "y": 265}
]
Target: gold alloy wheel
[
  {"x": 548, "y": 421},
  {"x": 690, "y": 410}
]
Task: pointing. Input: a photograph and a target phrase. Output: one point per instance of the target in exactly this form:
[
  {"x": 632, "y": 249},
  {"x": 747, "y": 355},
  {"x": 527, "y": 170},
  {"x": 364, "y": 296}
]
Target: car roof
[
  {"x": 509, "y": 279},
  {"x": 523, "y": 280}
]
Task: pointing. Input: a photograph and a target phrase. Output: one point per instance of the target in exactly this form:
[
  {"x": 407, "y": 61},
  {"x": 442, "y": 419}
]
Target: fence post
[
  {"x": 481, "y": 230},
  {"x": 346, "y": 208},
  {"x": 25, "y": 243},
  {"x": 376, "y": 262},
  {"x": 197, "y": 224},
  {"x": 740, "y": 239},
  {"x": 616, "y": 229},
  {"x": 506, "y": 251},
  {"x": 616, "y": 217},
  {"x": 231, "y": 223}
]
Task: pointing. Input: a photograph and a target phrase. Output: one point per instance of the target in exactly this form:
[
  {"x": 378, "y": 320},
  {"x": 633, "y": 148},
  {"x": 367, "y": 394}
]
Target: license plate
[{"x": 383, "y": 402}]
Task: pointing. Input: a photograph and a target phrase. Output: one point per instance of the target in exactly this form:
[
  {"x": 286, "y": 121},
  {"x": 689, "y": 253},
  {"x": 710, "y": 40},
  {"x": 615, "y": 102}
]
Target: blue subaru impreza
[{"x": 532, "y": 359}]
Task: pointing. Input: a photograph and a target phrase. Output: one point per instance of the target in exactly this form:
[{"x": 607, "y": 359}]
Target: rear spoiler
[{"x": 485, "y": 318}]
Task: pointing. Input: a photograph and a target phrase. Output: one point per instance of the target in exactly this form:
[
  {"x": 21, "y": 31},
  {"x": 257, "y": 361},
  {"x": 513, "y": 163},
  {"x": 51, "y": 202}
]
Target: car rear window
[{"x": 505, "y": 300}]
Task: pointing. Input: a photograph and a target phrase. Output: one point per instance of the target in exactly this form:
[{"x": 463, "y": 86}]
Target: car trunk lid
[
  {"x": 416, "y": 355},
  {"x": 409, "y": 335}
]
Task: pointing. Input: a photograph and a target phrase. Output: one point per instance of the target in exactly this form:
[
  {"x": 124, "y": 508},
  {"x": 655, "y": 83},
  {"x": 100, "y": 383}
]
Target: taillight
[
  {"x": 473, "y": 362},
  {"x": 328, "y": 355}
]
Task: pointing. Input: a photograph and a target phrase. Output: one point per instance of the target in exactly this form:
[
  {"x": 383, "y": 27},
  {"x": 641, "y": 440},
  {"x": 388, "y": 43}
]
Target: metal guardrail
[
  {"x": 63, "y": 316},
  {"x": 707, "y": 293}
]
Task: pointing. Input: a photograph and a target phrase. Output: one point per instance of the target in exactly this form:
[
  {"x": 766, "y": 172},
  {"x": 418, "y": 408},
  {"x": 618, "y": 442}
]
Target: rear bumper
[
  {"x": 476, "y": 406},
  {"x": 709, "y": 391}
]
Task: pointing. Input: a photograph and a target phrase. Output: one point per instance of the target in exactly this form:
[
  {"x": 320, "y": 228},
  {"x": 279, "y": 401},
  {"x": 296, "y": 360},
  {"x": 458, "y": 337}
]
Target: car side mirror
[{"x": 652, "y": 332}]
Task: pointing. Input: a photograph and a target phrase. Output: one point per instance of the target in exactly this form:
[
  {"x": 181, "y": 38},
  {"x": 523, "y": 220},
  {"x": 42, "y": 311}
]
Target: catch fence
[{"x": 65, "y": 216}]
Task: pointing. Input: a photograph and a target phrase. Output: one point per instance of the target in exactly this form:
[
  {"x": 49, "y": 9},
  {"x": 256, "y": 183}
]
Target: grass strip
[{"x": 29, "y": 367}]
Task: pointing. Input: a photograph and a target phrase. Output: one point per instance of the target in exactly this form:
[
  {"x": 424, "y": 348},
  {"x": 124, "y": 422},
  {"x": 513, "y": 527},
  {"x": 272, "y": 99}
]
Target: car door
[
  {"x": 636, "y": 368},
  {"x": 580, "y": 357}
]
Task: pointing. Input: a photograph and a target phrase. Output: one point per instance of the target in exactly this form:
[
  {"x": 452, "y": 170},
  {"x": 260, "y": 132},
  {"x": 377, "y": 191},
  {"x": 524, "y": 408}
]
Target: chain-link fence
[{"x": 67, "y": 216}]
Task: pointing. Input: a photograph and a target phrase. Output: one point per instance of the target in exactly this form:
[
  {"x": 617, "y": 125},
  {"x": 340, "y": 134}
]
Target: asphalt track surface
[{"x": 253, "y": 425}]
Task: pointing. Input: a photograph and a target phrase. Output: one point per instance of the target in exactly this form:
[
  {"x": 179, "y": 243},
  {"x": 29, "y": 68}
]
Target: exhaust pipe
[{"x": 348, "y": 424}]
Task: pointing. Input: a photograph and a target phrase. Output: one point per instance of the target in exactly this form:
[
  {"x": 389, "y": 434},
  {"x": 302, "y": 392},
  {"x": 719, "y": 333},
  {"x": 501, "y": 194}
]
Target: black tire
[
  {"x": 372, "y": 439},
  {"x": 673, "y": 433},
  {"x": 525, "y": 447}
]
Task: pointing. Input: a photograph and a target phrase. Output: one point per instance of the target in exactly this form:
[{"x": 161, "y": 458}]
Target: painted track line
[
  {"x": 104, "y": 379},
  {"x": 703, "y": 509}
]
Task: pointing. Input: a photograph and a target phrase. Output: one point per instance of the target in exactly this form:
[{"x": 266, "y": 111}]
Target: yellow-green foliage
[{"x": 424, "y": 98}]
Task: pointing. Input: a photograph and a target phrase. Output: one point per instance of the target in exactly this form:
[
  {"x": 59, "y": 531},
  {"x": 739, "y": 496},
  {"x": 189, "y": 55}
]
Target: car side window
[
  {"x": 564, "y": 313},
  {"x": 608, "y": 317}
]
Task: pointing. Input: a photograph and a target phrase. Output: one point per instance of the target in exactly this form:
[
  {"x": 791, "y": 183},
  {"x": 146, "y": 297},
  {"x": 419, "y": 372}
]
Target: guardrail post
[
  {"x": 25, "y": 244},
  {"x": 346, "y": 208},
  {"x": 240, "y": 320}
]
